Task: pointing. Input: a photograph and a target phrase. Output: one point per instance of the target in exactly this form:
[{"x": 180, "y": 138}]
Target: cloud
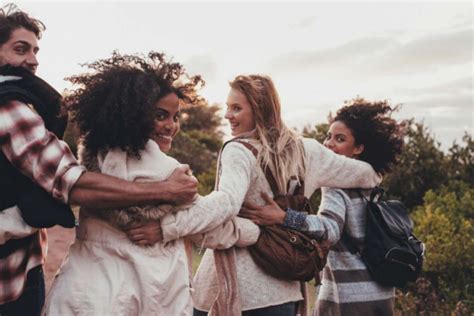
[
  {"x": 202, "y": 65},
  {"x": 383, "y": 55},
  {"x": 327, "y": 58},
  {"x": 428, "y": 52},
  {"x": 457, "y": 86}
]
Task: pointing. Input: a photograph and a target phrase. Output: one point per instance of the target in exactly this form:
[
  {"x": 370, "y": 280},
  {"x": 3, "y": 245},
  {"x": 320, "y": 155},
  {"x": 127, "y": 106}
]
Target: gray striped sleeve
[{"x": 329, "y": 222}]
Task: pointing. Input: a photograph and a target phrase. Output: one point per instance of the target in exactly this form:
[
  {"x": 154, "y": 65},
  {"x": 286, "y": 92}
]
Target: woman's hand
[
  {"x": 269, "y": 214},
  {"x": 145, "y": 235}
]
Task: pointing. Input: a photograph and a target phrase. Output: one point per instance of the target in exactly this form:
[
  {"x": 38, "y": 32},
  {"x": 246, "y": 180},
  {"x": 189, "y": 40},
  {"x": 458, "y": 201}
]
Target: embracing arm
[
  {"x": 218, "y": 207},
  {"x": 49, "y": 162},
  {"x": 326, "y": 226},
  {"x": 328, "y": 169},
  {"x": 97, "y": 190}
]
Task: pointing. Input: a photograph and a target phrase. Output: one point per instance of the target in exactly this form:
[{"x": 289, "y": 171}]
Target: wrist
[
  {"x": 281, "y": 217},
  {"x": 294, "y": 219},
  {"x": 159, "y": 191}
]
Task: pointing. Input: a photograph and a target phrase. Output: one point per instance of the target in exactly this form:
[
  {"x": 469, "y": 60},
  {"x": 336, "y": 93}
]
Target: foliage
[
  {"x": 461, "y": 160},
  {"x": 199, "y": 142},
  {"x": 318, "y": 132},
  {"x": 71, "y": 136},
  {"x": 421, "y": 167},
  {"x": 445, "y": 224}
]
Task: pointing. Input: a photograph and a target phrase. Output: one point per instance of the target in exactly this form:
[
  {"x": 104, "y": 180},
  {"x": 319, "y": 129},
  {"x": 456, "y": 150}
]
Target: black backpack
[{"x": 392, "y": 254}]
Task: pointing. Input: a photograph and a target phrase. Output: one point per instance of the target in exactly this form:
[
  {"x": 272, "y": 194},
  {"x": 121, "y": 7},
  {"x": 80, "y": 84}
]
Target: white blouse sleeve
[
  {"x": 210, "y": 211},
  {"x": 325, "y": 168}
]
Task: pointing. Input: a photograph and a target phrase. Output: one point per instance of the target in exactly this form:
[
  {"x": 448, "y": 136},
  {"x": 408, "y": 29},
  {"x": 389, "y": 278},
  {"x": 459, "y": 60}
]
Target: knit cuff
[{"x": 294, "y": 219}]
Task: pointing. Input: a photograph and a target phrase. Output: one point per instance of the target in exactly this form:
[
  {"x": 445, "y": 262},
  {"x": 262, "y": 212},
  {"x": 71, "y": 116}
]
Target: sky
[{"x": 417, "y": 54}]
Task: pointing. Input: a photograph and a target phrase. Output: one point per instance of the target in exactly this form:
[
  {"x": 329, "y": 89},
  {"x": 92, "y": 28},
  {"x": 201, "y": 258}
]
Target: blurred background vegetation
[{"x": 437, "y": 186}]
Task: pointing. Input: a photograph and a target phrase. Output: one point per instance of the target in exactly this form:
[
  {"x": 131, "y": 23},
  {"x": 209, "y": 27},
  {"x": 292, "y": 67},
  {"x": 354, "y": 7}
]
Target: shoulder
[
  {"x": 312, "y": 146},
  {"x": 239, "y": 148},
  {"x": 17, "y": 110},
  {"x": 335, "y": 192},
  {"x": 348, "y": 196}
]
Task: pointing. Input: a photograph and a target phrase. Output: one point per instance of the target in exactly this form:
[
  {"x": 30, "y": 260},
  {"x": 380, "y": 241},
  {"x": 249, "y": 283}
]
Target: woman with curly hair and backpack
[
  {"x": 365, "y": 131},
  {"x": 127, "y": 111}
]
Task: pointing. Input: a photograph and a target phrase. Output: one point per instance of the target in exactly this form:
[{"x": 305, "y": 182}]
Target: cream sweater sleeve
[
  {"x": 325, "y": 168},
  {"x": 210, "y": 211}
]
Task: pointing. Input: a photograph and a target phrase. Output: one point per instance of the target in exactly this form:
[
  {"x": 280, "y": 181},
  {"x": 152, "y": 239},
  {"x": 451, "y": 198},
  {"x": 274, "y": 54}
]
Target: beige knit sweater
[{"x": 239, "y": 175}]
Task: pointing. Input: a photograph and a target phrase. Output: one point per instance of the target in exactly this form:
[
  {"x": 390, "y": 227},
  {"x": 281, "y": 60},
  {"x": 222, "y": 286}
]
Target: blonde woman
[{"x": 228, "y": 282}]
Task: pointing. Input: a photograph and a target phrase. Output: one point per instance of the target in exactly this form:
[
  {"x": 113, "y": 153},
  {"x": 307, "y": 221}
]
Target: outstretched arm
[
  {"x": 327, "y": 225},
  {"x": 327, "y": 169}
]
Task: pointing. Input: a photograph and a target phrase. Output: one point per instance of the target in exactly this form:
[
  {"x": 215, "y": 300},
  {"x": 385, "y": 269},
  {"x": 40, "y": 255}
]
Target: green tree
[
  {"x": 318, "y": 132},
  {"x": 461, "y": 160},
  {"x": 445, "y": 224},
  {"x": 422, "y": 167},
  {"x": 199, "y": 142}
]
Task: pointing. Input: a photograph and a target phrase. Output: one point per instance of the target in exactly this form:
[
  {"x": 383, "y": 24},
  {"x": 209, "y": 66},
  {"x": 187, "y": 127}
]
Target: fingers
[
  {"x": 251, "y": 206},
  {"x": 250, "y": 214},
  {"x": 136, "y": 237},
  {"x": 184, "y": 168},
  {"x": 267, "y": 198},
  {"x": 134, "y": 231},
  {"x": 143, "y": 243}
]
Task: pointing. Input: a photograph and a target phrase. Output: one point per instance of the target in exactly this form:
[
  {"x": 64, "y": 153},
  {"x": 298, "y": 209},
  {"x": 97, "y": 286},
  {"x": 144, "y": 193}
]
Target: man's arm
[
  {"x": 102, "y": 191},
  {"x": 48, "y": 161}
]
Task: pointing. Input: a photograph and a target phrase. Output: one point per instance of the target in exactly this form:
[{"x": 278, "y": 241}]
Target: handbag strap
[{"x": 299, "y": 190}]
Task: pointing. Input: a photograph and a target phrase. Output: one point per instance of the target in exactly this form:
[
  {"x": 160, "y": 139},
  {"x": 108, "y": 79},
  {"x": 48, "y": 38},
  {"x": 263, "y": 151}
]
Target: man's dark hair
[
  {"x": 371, "y": 125},
  {"x": 114, "y": 106},
  {"x": 11, "y": 18}
]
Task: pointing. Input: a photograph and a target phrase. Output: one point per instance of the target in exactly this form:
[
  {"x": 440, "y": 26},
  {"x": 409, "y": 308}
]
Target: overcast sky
[{"x": 318, "y": 53}]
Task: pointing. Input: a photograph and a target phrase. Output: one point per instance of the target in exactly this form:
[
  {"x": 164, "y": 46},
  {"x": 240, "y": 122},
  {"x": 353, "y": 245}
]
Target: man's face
[{"x": 20, "y": 50}]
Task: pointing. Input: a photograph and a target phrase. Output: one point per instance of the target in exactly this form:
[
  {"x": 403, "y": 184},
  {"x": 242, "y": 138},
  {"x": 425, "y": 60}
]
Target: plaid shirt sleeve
[{"x": 36, "y": 152}]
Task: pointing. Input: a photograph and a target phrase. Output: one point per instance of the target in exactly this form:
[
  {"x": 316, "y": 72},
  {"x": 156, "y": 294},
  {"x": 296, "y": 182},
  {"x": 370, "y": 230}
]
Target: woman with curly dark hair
[
  {"x": 127, "y": 112},
  {"x": 362, "y": 130}
]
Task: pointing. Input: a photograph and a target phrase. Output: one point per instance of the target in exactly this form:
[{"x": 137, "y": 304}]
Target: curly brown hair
[
  {"x": 12, "y": 18},
  {"x": 114, "y": 107},
  {"x": 371, "y": 125}
]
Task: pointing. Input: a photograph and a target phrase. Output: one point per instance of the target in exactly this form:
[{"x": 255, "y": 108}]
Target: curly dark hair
[
  {"x": 114, "y": 107},
  {"x": 12, "y": 18},
  {"x": 371, "y": 125}
]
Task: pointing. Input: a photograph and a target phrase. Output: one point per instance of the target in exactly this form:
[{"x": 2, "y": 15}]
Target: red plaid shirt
[{"x": 38, "y": 154}]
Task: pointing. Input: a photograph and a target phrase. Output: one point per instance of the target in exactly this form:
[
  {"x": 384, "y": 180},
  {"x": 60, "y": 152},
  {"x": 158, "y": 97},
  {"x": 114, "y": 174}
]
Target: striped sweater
[{"x": 347, "y": 288}]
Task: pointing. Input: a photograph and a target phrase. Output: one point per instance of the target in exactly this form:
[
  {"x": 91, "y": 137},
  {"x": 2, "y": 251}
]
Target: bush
[{"x": 445, "y": 224}]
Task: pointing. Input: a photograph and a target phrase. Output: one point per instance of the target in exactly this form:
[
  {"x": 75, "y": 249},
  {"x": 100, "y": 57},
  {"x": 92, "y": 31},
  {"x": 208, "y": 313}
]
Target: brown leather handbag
[{"x": 285, "y": 253}]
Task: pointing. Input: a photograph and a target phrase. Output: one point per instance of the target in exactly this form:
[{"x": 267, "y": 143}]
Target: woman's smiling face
[
  {"x": 239, "y": 113},
  {"x": 166, "y": 121}
]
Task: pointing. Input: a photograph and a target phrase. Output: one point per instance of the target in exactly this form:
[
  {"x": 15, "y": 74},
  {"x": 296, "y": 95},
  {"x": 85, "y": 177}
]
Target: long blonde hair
[{"x": 282, "y": 150}]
